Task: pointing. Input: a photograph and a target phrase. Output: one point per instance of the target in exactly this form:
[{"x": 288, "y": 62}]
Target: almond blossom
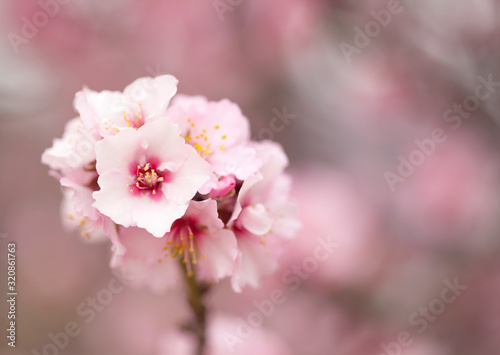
[
  {"x": 177, "y": 188},
  {"x": 147, "y": 176},
  {"x": 181, "y": 191},
  {"x": 145, "y": 100},
  {"x": 200, "y": 240},
  {"x": 263, "y": 217},
  {"x": 220, "y": 133}
]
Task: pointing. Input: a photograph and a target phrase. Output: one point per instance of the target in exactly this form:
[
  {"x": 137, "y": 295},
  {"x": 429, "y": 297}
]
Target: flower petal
[
  {"x": 118, "y": 152},
  {"x": 114, "y": 198},
  {"x": 153, "y": 94},
  {"x": 255, "y": 219},
  {"x": 220, "y": 251},
  {"x": 156, "y": 216},
  {"x": 254, "y": 263}
]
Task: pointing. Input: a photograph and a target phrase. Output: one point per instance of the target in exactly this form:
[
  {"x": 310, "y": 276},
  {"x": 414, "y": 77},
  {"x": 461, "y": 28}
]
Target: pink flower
[
  {"x": 263, "y": 217},
  {"x": 74, "y": 154},
  {"x": 73, "y": 219},
  {"x": 188, "y": 175},
  {"x": 218, "y": 131},
  {"x": 145, "y": 100},
  {"x": 201, "y": 241},
  {"x": 147, "y": 176},
  {"x": 198, "y": 239},
  {"x": 77, "y": 211},
  {"x": 72, "y": 161}
]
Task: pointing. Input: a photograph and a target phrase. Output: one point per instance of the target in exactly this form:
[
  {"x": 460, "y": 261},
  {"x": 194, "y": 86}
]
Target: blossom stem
[{"x": 196, "y": 291}]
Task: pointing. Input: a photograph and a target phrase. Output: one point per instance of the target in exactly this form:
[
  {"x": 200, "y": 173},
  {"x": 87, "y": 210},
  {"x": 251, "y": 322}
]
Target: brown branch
[{"x": 196, "y": 291}]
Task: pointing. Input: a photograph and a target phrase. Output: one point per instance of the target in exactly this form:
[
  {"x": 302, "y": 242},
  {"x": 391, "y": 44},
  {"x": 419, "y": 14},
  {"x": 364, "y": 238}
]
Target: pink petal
[
  {"x": 205, "y": 213},
  {"x": 255, "y": 219},
  {"x": 118, "y": 152},
  {"x": 156, "y": 216},
  {"x": 241, "y": 161},
  {"x": 153, "y": 94},
  {"x": 114, "y": 199},
  {"x": 101, "y": 110},
  {"x": 219, "y": 248},
  {"x": 164, "y": 143},
  {"x": 191, "y": 176},
  {"x": 255, "y": 263},
  {"x": 223, "y": 186}
]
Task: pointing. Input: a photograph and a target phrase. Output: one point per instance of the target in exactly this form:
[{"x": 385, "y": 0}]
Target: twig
[{"x": 196, "y": 292}]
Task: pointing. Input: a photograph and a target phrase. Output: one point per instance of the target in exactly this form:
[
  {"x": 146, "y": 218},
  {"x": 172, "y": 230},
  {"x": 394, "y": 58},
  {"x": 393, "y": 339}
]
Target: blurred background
[{"x": 392, "y": 123}]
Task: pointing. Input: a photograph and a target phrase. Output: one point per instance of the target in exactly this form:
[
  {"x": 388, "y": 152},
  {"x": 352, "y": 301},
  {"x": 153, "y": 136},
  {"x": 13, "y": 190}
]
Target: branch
[{"x": 196, "y": 292}]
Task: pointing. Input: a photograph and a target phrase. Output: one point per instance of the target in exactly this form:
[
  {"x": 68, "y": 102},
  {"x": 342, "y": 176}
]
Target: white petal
[
  {"x": 220, "y": 251},
  {"x": 153, "y": 94},
  {"x": 157, "y": 216},
  {"x": 255, "y": 263},
  {"x": 206, "y": 214},
  {"x": 114, "y": 198},
  {"x": 164, "y": 143},
  {"x": 118, "y": 152},
  {"x": 101, "y": 110},
  {"x": 190, "y": 177},
  {"x": 241, "y": 161},
  {"x": 243, "y": 195},
  {"x": 255, "y": 219}
]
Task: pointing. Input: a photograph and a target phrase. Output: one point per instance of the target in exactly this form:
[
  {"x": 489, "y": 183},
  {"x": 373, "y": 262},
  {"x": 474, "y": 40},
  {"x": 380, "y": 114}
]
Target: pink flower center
[
  {"x": 147, "y": 179},
  {"x": 134, "y": 120},
  {"x": 182, "y": 243}
]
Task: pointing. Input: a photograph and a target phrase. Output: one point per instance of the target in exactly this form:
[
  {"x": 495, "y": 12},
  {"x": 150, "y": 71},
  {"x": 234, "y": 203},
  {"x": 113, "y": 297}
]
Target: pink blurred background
[{"x": 365, "y": 83}]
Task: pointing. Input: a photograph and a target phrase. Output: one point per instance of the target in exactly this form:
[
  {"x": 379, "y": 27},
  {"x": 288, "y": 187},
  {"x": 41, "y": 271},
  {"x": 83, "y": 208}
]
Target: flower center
[
  {"x": 147, "y": 179},
  {"x": 182, "y": 244},
  {"x": 134, "y": 120}
]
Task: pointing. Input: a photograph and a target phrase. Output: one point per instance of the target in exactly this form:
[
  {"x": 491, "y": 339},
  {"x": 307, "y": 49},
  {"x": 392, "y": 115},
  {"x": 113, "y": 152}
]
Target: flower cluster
[{"x": 176, "y": 186}]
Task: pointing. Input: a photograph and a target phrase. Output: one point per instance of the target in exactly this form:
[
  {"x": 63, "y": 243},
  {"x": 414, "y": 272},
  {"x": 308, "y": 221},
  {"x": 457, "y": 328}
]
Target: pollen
[
  {"x": 148, "y": 179},
  {"x": 184, "y": 245}
]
